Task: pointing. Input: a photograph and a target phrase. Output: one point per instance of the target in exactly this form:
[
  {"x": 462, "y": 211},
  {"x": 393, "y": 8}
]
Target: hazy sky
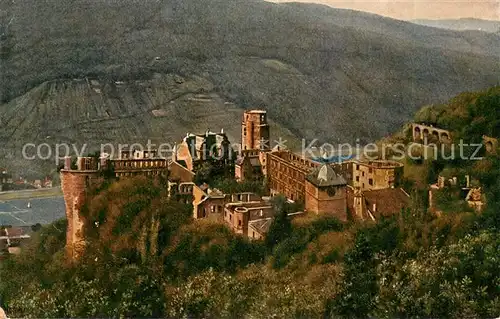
[{"x": 421, "y": 9}]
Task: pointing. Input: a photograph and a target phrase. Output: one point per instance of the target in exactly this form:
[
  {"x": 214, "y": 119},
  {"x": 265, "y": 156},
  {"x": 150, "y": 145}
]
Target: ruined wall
[
  {"x": 376, "y": 175},
  {"x": 183, "y": 154},
  {"x": 286, "y": 178},
  {"x": 491, "y": 144},
  {"x": 424, "y": 133}
]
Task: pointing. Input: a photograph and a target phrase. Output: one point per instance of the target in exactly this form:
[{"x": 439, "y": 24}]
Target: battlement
[{"x": 379, "y": 164}]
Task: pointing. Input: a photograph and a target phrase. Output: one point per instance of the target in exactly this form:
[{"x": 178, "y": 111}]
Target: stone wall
[
  {"x": 421, "y": 132},
  {"x": 183, "y": 154},
  {"x": 491, "y": 144},
  {"x": 376, "y": 175},
  {"x": 74, "y": 185},
  {"x": 254, "y": 129},
  {"x": 286, "y": 174},
  {"x": 320, "y": 202}
]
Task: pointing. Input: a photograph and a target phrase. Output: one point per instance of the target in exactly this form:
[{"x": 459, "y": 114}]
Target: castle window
[
  {"x": 331, "y": 191},
  {"x": 370, "y": 181},
  {"x": 357, "y": 167},
  {"x": 357, "y": 178},
  {"x": 239, "y": 223},
  {"x": 370, "y": 170}
]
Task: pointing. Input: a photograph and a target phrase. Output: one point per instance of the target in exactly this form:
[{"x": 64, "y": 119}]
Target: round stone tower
[{"x": 75, "y": 182}]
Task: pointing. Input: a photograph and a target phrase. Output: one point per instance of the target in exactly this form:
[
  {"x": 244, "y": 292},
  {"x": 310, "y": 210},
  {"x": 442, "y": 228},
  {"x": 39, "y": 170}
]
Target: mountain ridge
[
  {"x": 320, "y": 73},
  {"x": 462, "y": 24}
]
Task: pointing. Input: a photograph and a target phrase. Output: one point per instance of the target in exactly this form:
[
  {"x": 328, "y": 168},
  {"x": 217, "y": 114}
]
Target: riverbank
[{"x": 31, "y": 193}]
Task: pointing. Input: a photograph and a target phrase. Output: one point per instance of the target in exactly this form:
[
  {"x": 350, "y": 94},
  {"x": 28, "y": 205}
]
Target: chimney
[
  {"x": 67, "y": 162},
  {"x": 80, "y": 163},
  {"x": 103, "y": 162}
]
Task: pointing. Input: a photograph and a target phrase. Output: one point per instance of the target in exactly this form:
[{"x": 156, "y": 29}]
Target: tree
[
  {"x": 360, "y": 287},
  {"x": 281, "y": 226}
]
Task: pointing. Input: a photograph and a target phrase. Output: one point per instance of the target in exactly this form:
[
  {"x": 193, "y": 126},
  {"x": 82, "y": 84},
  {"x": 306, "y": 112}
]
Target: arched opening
[
  {"x": 435, "y": 136},
  {"x": 416, "y": 133},
  {"x": 445, "y": 137},
  {"x": 489, "y": 147}
]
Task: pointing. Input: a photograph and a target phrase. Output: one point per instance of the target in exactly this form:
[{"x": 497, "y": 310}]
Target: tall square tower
[{"x": 255, "y": 131}]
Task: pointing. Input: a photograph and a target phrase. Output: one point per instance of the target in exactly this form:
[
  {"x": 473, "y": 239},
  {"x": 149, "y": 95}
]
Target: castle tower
[
  {"x": 254, "y": 130},
  {"x": 74, "y": 184},
  {"x": 326, "y": 192}
]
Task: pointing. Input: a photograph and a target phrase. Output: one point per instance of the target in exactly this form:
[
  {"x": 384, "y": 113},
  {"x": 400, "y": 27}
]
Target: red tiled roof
[{"x": 388, "y": 201}]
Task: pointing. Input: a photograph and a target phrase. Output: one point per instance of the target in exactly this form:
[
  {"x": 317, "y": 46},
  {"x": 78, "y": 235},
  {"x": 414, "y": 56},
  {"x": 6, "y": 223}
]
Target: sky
[{"x": 420, "y": 9}]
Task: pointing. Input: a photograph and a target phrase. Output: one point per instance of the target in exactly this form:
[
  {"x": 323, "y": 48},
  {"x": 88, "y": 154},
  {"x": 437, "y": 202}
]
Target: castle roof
[
  {"x": 380, "y": 202},
  {"x": 325, "y": 176},
  {"x": 261, "y": 226}
]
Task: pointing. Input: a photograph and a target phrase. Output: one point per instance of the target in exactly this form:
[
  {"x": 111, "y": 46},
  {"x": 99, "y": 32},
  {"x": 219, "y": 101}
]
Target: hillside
[
  {"x": 320, "y": 72},
  {"x": 462, "y": 24},
  {"x": 469, "y": 115},
  {"x": 145, "y": 256}
]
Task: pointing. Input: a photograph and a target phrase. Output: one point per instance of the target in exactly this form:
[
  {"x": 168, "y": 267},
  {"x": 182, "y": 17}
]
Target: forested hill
[
  {"x": 320, "y": 72},
  {"x": 469, "y": 115}
]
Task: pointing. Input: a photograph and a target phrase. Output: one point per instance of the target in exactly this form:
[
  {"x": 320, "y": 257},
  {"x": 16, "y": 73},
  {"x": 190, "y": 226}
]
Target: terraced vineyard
[{"x": 92, "y": 111}]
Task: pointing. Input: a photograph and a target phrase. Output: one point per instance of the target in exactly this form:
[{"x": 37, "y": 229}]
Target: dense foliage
[
  {"x": 146, "y": 257},
  {"x": 469, "y": 115}
]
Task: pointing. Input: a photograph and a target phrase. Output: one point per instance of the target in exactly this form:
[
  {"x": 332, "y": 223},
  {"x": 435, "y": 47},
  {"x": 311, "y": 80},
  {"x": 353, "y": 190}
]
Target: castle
[
  {"x": 323, "y": 188},
  {"x": 356, "y": 189}
]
